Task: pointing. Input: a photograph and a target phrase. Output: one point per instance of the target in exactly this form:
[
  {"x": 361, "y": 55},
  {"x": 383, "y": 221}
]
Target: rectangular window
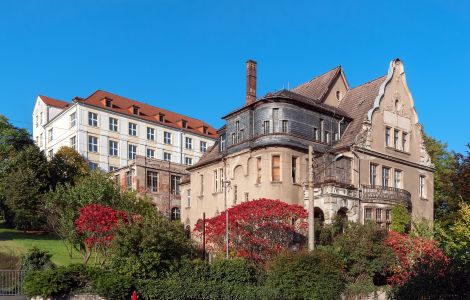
[
  {"x": 322, "y": 128},
  {"x": 92, "y": 119},
  {"x": 387, "y": 136},
  {"x": 404, "y": 143},
  {"x": 368, "y": 213},
  {"x": 184, "y": 124},
  {"x": 108, "y": 102},
  {"x": 258, "y": 169},
  {"x": 150, "y": 153},
  {"x": 92, "y": 143},
  {"x": 201, "y": 187},
  {"x": 73, "y": 143},
  {"x": 131, "y": 151},
  {"x": 235, "y": 194},
  {"x": 166, "y": 156},
  {"x": 167, "y": 137},
  {"x": 41, "y": 139},
  {"x": 385, "y": 177},
  {"x": 188, "y": 143},
  {"x": 202, "y": 146},
  {"x": 234, "y": 141},
  {"x": 221, "y": 179},
  {"x": 294, "y": 169},
  {"x": 285, "y": 126},
  {"x": 161, "y": 118},
  {"x": 335, "y": 136},
  {"x": 395, "y": 138},
  {"x": 327, "y": 137},
  {"x": 152, "y": 181},
  {"x": 50, "y": 135},
  {"x": 276, "y": 168},
  {"x": 113, "y": 148},
  {"x": 73, "y": 120},
  {"x": 37, "y": 121},
  {"x": 237, "y": 130},
  {"x": 397, "y": 179},
  {"x": 315, "y": 133},
  {"x": 113, "y": 124},
  {"x": 216, "y": 182},
  {"x": 422, "y": 192},
  {"x": 188, "y": 161},
  {"x": 175, "y": 185},
  {"x": 129, "y": 175},
  {"x": 150, "y": 133},
  {"x": 247, "y": 197},
  {"x": 378, "y": 215},
  {"x": 132, "y": 129},
  {"x": 222, "y": 142},
  {"x": 188, "y": 198},
  {"x": 112, "y": 168},
  {"x": 92, "y": 165},
  {"x": 266, "y": 127},
  {"x": 388, "y": 215},
  {"x": 373, "y": 175}
]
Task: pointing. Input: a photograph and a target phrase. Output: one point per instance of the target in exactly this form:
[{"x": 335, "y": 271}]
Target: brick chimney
[{"x": 250, "y": 81}]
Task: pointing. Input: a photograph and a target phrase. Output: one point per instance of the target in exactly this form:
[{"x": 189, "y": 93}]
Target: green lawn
[{"x": 18, "y": 242}]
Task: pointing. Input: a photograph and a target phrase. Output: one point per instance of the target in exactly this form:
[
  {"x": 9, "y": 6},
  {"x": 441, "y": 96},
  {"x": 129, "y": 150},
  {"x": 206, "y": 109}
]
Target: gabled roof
[
  {"x": 54, "y": 102},
  {"x": 357, "y": 103},
  {"x": 147, "y": 112},
  {"x": 317, "y": 88}
]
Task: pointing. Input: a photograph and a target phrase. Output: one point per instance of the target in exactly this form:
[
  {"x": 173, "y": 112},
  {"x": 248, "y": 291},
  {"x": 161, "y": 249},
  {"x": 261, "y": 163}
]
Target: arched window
[{"x": 175, "y": 214}]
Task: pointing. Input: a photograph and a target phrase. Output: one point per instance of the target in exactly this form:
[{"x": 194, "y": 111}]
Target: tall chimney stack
[{"x": 250, "y": 81}]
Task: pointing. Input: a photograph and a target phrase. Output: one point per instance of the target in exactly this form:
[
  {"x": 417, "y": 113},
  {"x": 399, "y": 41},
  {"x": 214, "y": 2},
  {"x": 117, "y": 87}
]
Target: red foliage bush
[
  {"x": 97, "y": 223},
  {"x": 258, "y": 229},
  {"x": 414, "y": 254}
]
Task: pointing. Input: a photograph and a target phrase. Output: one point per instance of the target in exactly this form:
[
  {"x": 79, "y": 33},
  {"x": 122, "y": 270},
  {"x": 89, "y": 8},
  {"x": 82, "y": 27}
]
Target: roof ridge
[
  {"x": 368, "y": 82},
  {"x": 338, "y": 67}
]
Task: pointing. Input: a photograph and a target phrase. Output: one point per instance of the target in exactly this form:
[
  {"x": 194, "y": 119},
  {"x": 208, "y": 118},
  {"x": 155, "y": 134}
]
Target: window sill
[
  {"x": 397, "y": 150},
  {"x": 276, "y": 182},
  {"x": 423, "y": 199}
]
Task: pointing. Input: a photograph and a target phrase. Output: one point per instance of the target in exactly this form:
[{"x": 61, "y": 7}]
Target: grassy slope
[{"x": 17, "y": 242}]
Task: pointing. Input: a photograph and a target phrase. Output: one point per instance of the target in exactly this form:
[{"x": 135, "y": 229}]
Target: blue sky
[{"x": 189, "y": 56}]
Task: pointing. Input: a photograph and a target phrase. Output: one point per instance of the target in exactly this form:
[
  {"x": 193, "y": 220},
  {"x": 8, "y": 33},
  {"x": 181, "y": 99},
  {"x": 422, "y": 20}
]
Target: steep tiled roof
[
  {"x": 54, "y": 102},
  {"x": 317, "y": 88},
  {"x": 357, "y": 103},
  {"x": 211, "y": 155},
  {"x": 147, "y": 112}
]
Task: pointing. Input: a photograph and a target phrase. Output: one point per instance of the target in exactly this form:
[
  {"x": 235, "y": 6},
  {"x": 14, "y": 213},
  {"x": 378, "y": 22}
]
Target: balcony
[{"x": 382, "y": 194}]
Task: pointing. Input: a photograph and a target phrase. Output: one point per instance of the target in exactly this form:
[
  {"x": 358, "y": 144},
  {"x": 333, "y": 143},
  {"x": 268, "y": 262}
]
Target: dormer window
[
  {"x": 184, "y": 124},
  {"x": 204, "y": 129},
  {"x": 108, "y": 102},
  {"x": 161, "y": 117},
  {"x": 135, "y": 110}
]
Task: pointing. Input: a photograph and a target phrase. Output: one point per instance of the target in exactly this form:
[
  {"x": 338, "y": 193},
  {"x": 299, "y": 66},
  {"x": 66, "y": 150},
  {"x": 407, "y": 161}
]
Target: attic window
[
  {"x": 184, "y": 124},
  {"x": 135, "y": 110},
  {"x": 204, "y": 129},
  {"x": 161, "y": 117},
  {"x": 339, "y": 95},
  {"x": 108, "y": 102}
]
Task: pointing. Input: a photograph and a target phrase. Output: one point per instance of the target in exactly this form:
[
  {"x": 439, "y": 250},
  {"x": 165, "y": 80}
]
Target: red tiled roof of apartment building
[{"x": 54, "y": 102}]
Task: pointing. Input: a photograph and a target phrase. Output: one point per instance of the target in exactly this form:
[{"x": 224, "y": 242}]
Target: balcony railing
[{"x": 385, "y": 194}]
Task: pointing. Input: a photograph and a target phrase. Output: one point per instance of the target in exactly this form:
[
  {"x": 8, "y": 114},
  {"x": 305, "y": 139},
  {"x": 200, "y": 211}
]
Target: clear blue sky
[{"x": 188, "y": 56}]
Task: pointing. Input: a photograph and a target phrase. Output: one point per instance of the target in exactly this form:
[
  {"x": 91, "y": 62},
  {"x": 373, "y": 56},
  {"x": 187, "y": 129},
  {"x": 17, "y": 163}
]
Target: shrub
[
  {"x": 113, "y": 286},
  {"x": 36, "y": 260},
  {"x": 236, "y": 271},
  {"x": 303, "y": 275}
]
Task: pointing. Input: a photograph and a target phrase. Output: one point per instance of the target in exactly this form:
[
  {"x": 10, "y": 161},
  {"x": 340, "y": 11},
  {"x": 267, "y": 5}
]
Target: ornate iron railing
[
  {"x": 11, "y": 282},
  {"x": 385, "y": 194}
]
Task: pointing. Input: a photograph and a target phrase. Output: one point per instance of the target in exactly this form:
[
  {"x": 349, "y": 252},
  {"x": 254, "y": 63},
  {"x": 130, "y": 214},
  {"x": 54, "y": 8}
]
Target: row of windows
[
  {"x": 386, "y": 177},
  {"x": 382, "y": 216},
  {"x": 113, "y": 149},
  {"x": 397, "y": 179},
  {"x": 399, "y": 141},
  {"x": 133, "y": 129}
]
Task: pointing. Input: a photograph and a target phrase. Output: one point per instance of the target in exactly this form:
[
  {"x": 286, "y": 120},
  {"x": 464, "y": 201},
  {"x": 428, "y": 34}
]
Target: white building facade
[{"x": 109, "y": 131}]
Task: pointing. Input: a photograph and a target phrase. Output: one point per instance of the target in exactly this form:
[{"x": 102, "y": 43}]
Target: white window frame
[
  {"x": 113, "y": 148},
  {"x": 73, "y": 119},
  {"x": 93, "y": 144},
  {"x": 131, "y": 151},
  {"x": 92, "y": 119},
  {"x": 202, "y": 146},
  {"x": 167, "y": 156},
  {"x": 167, "y": 137},
  {"x": 188, "y": 143},
  {"x": 113, "y": 124},
  {"x": 150, "y": 153},
  {"x": 132, "y": 129},
  {"x": 150, "y": 133}
]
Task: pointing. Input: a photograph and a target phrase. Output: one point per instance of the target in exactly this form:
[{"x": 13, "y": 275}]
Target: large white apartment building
[{"x": 110, "y": 130}]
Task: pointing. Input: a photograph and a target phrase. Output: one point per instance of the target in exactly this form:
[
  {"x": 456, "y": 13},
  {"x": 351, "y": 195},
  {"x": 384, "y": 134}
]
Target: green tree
[
  {"x": 12, "y": 139},
  {"x": 149, "y": 247},
  {"x": 401, "y": 219},
  {"x": 445, "y": 201},
  {"x": 67, "y": 166},
  {"x": 63, "y": 204},
  {"x": 26, "y": 180},
  {"x": 456, "y": 238}
]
